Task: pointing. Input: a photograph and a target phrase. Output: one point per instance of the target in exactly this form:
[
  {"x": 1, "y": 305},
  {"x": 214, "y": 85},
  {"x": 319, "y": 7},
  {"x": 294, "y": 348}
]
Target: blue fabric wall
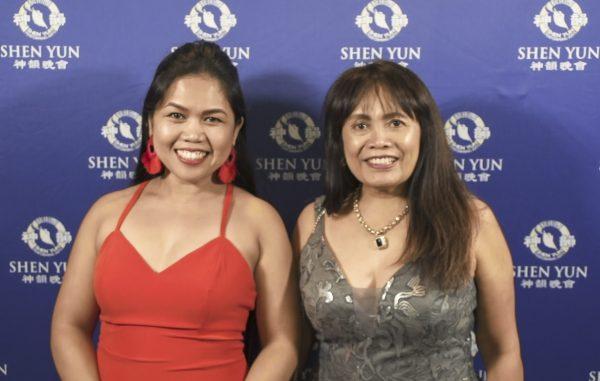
[{"x": 517, "y": 83}]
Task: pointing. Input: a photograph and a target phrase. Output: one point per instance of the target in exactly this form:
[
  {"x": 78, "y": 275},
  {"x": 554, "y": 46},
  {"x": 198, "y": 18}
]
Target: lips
[
  {"x": 381, "y": 162},
  {"x": 191, "y": 157}
]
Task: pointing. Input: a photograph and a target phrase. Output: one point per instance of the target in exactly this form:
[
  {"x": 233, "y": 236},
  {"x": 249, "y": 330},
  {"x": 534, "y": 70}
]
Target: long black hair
[
  {"x": 441, "y": 218},
  {"x": 199, "y": 57}
]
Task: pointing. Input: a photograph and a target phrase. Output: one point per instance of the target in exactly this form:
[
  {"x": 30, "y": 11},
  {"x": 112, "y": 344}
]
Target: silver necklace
[{"x": 381, "y": 241}]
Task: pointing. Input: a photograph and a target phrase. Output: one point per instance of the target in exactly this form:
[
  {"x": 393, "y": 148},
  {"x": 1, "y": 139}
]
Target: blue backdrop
[{"x": 517, "y": 83}]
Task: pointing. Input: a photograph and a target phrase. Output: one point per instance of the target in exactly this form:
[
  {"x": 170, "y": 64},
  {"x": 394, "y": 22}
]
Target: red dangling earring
[
  {"x": 228, "y": 170},
  {"x": 150, "y": 159}
]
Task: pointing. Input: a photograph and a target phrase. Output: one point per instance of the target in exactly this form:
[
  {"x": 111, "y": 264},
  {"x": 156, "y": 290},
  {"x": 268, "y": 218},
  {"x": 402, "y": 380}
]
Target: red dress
[{"x": 183, "y": 323}]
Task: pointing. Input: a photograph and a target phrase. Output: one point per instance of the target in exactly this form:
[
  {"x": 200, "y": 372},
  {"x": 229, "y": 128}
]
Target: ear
[
  {"x": 237, "y": 130},
  {"x": 150, "y": 129}
]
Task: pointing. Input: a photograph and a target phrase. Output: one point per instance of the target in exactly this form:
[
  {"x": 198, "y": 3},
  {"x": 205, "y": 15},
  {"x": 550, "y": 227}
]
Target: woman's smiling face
[
  {"x": 194, "y": 128},
  {"x": 381, "y": 143}
]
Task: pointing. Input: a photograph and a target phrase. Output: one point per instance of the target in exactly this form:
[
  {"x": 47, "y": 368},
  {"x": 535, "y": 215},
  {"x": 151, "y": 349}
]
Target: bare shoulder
[
  {"x": 303, "y": 228},
  {"x": 109, "y": 204},
  {"x": 489, "y": 243},
  {"x": 486, "y": 225},
  {"x": 264, "y": 220},
  {"x": 306, "y": 218},
  {"x": 257, "y": 212},
  {"x": 483, "y": 212},
  {"x": 102, "y": 217}
]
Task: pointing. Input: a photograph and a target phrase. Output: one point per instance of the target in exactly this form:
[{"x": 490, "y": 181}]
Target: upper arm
[
  {"x": 76, "y": 304},
  {"x": 275, "y": 275},
  {"x": 497, "y": 328},
  {"x": 303, "y": 228}
]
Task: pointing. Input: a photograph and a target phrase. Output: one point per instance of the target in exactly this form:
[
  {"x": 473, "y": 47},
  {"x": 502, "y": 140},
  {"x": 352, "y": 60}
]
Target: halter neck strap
[
  {"x": 131, "y": 203},
  {"x": 226, "y": 208}
]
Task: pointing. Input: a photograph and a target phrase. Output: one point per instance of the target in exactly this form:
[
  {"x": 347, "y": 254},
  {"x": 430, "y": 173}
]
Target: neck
[
  {"x": 385, "y": 195},
  {"x": 177, "y": 191},
  {"x": 379, "y": 205}
]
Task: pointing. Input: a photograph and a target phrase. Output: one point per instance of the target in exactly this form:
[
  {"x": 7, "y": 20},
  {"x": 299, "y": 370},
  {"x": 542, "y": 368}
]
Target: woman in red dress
[{"x": 172, "y": 266}]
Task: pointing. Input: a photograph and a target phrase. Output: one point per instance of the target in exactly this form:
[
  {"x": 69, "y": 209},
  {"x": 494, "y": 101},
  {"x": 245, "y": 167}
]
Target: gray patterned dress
[{"x": 417, "y": 332}]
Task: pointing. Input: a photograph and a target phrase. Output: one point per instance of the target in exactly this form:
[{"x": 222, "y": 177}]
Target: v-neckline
[
  {"x": 338, "y": 265},
  {"x": 134, "y": 200},
  {"x": 139, "y": 255},
  {"x": 383, "y": 289}
]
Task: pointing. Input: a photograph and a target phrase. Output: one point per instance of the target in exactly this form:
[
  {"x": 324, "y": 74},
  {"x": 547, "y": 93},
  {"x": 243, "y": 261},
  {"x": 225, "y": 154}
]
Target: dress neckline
[{"x": 221, "y": 238}]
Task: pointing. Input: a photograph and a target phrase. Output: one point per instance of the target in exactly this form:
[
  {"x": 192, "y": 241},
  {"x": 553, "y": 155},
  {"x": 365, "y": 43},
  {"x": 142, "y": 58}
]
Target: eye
[
  {"x": 360, "y": 126},
  {"x": 397, "y": 122},
  {"x": 212, "y": 119},
  {"x": 176, "y": 115}
]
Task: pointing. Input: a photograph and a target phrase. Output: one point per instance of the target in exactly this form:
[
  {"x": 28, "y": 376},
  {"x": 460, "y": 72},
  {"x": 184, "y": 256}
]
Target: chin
[
  {"x": 192, "y": 177},
  {"x": 386, "y": 182}
]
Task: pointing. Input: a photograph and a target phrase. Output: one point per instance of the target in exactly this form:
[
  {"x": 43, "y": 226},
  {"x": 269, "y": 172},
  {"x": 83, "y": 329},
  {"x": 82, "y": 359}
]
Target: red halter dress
[{"x": 183, "y": 323}]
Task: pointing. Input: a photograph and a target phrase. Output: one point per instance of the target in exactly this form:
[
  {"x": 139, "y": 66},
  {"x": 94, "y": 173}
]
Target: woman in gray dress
[{"x": 397, "y": 259}]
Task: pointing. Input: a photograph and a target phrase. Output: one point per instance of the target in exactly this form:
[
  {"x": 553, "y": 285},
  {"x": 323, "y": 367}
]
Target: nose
[
  {"x": 193, "y": 132},
  {"x": 378, "y": 137}
]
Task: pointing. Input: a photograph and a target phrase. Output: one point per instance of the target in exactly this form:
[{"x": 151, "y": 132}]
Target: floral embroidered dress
[{"x": 405, "y": 331}]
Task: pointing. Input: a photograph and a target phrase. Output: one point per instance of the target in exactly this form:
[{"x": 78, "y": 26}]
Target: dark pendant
[{"x": 381, "y": 242}]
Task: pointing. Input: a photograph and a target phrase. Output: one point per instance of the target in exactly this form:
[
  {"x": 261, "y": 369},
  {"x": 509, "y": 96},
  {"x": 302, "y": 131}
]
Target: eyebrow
[
  {"x": 386, "y": 116},
  {"x": 395, "y": 114},
  {"x": 360, "y": 116},
  {"x": 209, "y": 111},
  {"x": 215, "y": 111},
  {"x": 173, "y": 104}
]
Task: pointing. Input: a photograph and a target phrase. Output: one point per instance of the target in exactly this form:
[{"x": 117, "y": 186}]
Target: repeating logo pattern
[
  {"x": 466, "y": 132},
  {"x": 549, "y": 240},
  {"x": 295, "y": 131},
  {"x": 124, "y": 130},
  {"x": 46, "y": 236},
  {"x": 210, "y": 20},
  {"x": 381, "y": 20},
  {"x": 560, "y": 20},
  {"x": 39, "y": 19}
]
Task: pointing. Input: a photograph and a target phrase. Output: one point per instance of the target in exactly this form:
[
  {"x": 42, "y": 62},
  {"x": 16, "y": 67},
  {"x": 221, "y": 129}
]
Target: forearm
[
  {"x": 504, "y": 366},
  {"x": 276, "y": 361},
  {"x": 74, "y": 354}
]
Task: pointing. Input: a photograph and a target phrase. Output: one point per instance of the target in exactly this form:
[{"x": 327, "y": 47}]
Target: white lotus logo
[
  {"x": 46, "y": 237},
  {"x": 543, "y": 242},
  {"x": 548, "y": 240},
  {"x": 463, "y": 132},
  {"x": 32, "y": 21},
  {"x": 294, "y": 132},
  {"x": 559, "y": 19},
  {"x": 554, "y": 22},
  {"x": 38, "y": 18},
  {"x": 209, "y": 19},
  {"x": 125, "y": 131},
  {"x": 372, "y": 14},
  {"x": 380, "y": 20},
  {"x": 459, "y": 135}
]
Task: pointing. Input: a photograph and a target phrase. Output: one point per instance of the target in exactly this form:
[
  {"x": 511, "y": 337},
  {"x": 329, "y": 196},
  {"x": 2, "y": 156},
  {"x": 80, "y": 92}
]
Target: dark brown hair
[
  {"x": 194, "y": 58},
  {"x": 441, "y": 219}
]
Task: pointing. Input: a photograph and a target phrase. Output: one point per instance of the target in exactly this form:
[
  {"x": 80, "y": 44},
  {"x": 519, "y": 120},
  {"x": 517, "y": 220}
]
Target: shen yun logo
[
  {"x": 124, "y": 130},
  {"x": 466, "y": 132},
  {"x": 549, "y": 240},
  {"x": 210, "y": 20},
  {"x": 295, "y": 131},
  {"x": 381, "y": 20},
  {"x": 560, "y": 20},
  {"x": 39, "y": 19},
  {"x": 46, "y": 236}
]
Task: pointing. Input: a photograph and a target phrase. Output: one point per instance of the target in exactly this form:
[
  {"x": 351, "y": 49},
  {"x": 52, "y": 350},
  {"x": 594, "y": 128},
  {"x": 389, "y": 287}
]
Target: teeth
[
  {"x": 191, "y": 155},
  {"x": 382, "y": 160}
]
